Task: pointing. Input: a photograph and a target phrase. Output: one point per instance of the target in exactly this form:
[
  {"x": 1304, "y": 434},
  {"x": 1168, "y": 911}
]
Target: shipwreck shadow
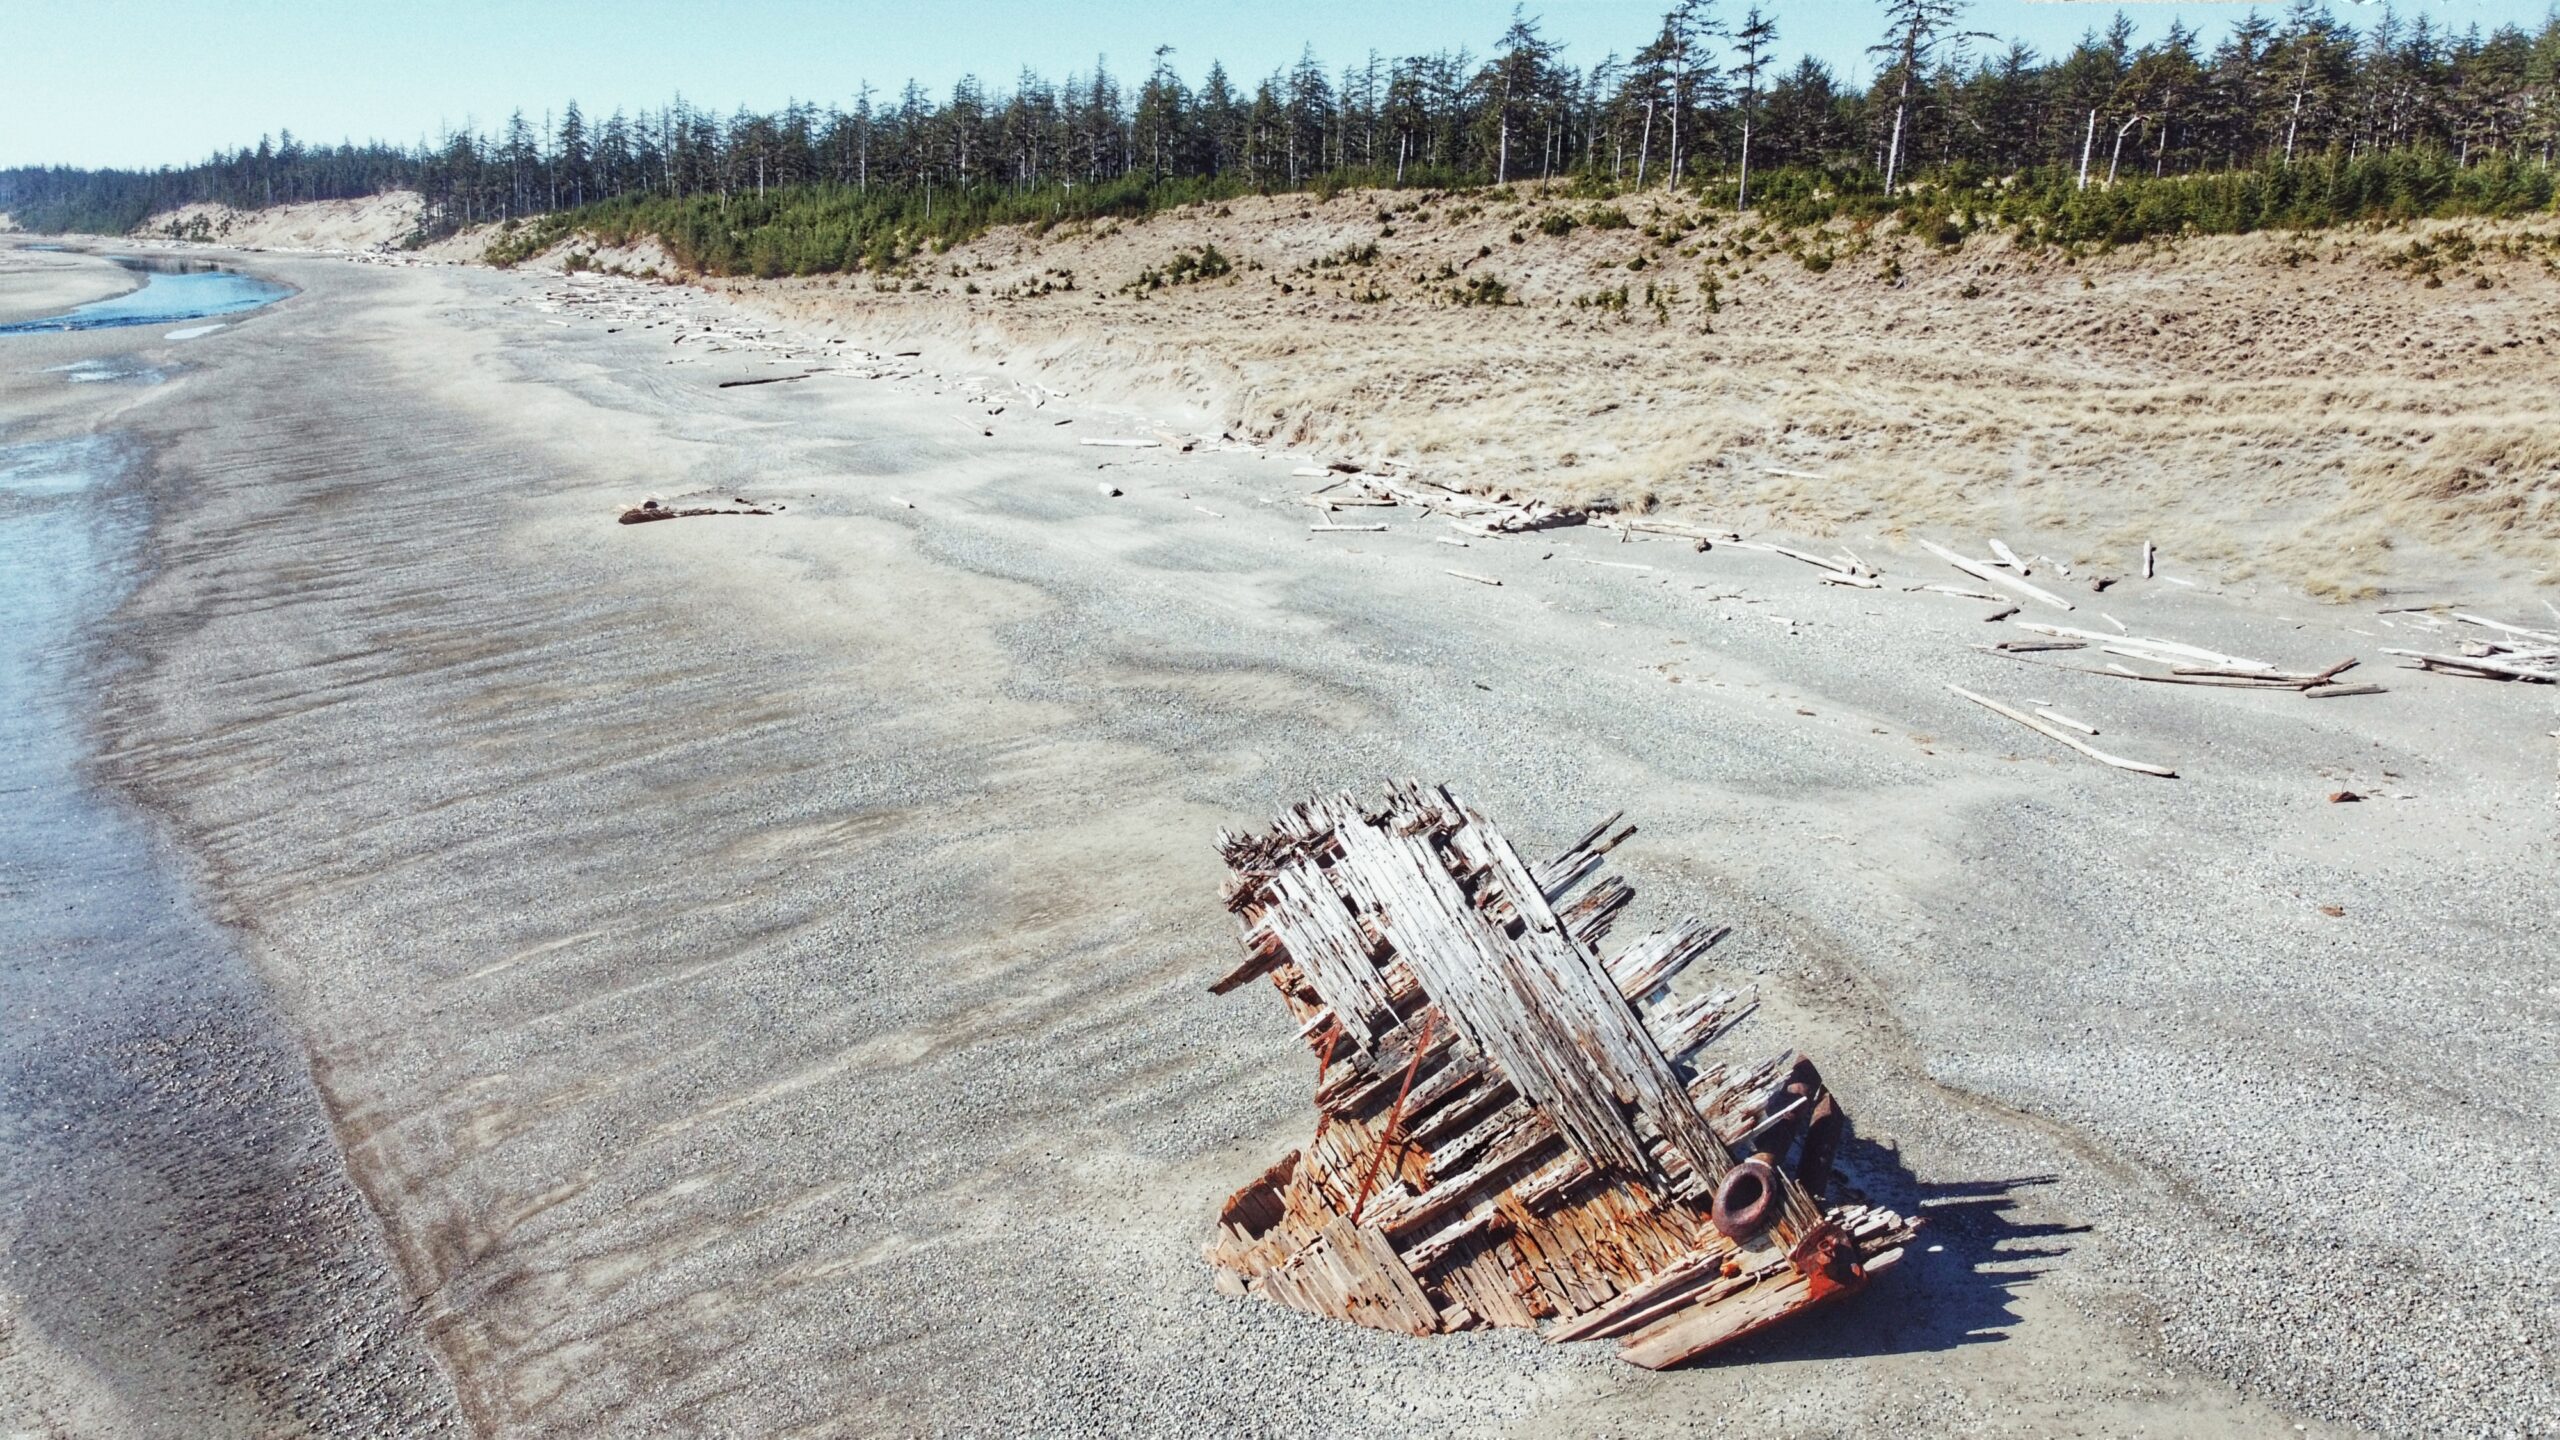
[{"x": 1955, "y": 1286}]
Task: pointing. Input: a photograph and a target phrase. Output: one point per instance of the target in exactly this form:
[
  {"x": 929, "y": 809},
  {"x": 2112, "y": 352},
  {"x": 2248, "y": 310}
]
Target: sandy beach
[
  {"x": 755, "y": 967},
  {"x": 47, "y": 282}
]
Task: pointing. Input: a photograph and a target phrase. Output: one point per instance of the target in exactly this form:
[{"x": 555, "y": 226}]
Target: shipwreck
[{"x": 1510, "y": 1128}]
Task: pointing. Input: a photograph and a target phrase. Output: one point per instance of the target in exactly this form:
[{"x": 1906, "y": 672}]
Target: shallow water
[
  {"x": 171, "y": 291},
  {"x": 162, "y": 1157},
  {"x": 93, "y": 915}
]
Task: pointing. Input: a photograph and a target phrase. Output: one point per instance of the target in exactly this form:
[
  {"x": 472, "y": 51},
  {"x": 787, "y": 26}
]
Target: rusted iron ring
[{"x": 1747, "y": 1200}]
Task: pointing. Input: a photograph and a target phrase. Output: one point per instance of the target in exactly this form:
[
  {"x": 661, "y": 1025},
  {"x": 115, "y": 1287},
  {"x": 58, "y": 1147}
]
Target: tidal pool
[{"x": 171, "y": 290}]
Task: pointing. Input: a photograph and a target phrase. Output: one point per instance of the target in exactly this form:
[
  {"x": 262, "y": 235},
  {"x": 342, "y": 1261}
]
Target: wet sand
[
  {"x": 756, "y": 966},
  {"x": 182, "y": 1251},
  {"x": 47, "y": 282}
]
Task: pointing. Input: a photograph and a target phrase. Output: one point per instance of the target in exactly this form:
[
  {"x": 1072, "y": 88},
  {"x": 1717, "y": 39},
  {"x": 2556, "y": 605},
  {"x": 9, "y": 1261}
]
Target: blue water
[{"x": 167, "y": 294}]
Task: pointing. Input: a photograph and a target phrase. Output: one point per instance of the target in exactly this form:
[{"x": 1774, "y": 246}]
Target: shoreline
[
  {"x": 37, "y": 283},
  {"x": 751, "y": 963},
  {"x": 184, "y": 1253}
]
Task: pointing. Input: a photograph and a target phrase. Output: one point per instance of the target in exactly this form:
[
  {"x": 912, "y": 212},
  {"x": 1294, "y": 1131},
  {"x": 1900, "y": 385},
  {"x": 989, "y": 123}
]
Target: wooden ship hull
[{"x": 1510, "y": 1130}]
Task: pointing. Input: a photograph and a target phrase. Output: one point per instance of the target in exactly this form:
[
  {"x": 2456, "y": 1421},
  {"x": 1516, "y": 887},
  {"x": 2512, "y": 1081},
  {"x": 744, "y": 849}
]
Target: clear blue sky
[{"x": 149, "y": 82}]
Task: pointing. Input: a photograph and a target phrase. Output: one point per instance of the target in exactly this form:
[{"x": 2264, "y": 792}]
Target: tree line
[{"x": 1704, "y": 103}]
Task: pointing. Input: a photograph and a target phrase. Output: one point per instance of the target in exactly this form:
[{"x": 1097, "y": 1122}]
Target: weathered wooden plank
[
  {"x": 1321, "y": 935},
  {"x": 1652, "y": 962},
  {"x": 1569, "y": 986},
  {"x": 1596, "y": 909},
  {"x": 1699, "y": 1328}
]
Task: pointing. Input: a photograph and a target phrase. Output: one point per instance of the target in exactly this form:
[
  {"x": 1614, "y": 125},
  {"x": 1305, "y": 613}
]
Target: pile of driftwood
[
  {"x": 2512, "y": 653},
  {"x": 1511, "y": 1129},
  {"x": 701, "y": 327},
  {"x": 2175, "y": 662},
  {"x": 1471, "y": 514}
]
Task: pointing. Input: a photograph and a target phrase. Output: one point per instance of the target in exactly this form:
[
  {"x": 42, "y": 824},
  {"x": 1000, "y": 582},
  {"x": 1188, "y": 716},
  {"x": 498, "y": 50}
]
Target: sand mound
[
  {"x": 2331, "y": 409},
  {"x": 645, "y": 258},
  {"x": 376, "y": 222}
]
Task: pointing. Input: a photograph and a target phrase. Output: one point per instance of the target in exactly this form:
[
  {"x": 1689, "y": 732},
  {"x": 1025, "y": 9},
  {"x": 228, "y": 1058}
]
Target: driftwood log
[
  {"x": 648, "y": 510},
  {"x": 1510, "y": 1128}
]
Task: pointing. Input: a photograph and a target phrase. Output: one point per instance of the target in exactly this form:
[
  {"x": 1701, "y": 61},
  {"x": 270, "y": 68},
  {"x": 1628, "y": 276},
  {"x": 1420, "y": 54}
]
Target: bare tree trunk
[
  {"x": 2121, "y": 131},
  {"x": 2088, "y": 142},
  {"x": 1742, "y": 191},
  {"x": 1671, "y": 174},
  {"x": 1893, "y": 150},
  {"x": 2301, "y": 83},
  {"x": 1644, "y": 145}
]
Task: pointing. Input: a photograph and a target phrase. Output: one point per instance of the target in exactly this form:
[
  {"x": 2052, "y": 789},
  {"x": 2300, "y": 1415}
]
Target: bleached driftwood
[
  {"x": 1984, "y": 572},
  {"x": 1837, "y": 567},
  {"x": 1679, "y": 530},
  {"x": 2544, "y": 637},
  {"x": 2486, "y": 665},
  {"x": 2174, "y": 651},
  {"x": 2057, "y": 733}
]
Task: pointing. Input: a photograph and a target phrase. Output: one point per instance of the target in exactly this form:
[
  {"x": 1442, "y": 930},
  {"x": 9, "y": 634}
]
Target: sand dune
[
  {"x": 372, "y": 223},
  {"x": 2340, "y": 412}
]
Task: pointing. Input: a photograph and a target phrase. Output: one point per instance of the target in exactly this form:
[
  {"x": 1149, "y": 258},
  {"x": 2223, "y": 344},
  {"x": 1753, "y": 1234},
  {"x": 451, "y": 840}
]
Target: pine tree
[
  {"x": 1753, "y": 42},
  {"x": 572, "y": 159},
  {"x": 1917, "y": 28},
  {"x": 1515, "y": 84}
]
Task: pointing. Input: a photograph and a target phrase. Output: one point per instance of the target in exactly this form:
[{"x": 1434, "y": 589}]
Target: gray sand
[
  {"x": 756, "y": 965},
  {"x": 36, "y": 283}
]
